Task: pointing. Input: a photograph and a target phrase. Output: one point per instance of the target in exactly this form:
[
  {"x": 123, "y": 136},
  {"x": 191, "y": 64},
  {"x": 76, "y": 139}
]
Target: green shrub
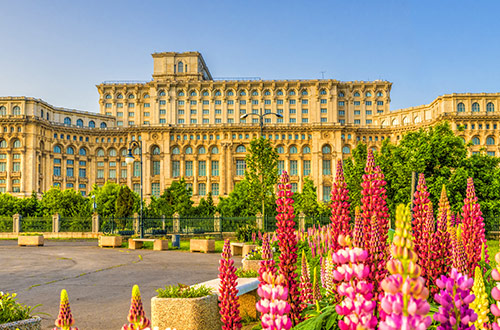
[
  {"x": 11, "y": 310},
  {"x": 246, "y": 273},
  {"x": 244, "y": 233},
  {"x": 184, "y": 291},
  {"x": 30, "y": 234}
]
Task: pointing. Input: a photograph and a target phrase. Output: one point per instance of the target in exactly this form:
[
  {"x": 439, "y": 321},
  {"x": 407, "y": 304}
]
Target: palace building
[{"x": 191, "y": 126}]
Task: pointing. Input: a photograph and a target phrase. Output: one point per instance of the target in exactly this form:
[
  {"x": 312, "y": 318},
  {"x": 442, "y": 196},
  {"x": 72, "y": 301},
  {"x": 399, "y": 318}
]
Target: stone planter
[
  {"x": 186, "y": 313},
  {"x": 34, "y": 323},
  {"x": 110, "y": 241},
  {"x": 202, "y": 245},
  {"x": 134, "y": 245},
  {"x": 247, "y": 248},
  {"x": 160, "y": 245},
  {"x": 30, "y": 240},
  {"x": 251, "y": 265}
]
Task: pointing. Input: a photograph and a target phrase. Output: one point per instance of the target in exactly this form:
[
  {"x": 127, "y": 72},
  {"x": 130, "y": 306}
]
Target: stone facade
[{"x": 190, "y": 126}]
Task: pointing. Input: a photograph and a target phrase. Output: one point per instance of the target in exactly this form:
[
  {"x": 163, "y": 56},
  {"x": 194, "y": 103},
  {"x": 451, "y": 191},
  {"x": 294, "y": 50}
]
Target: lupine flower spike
[
  {"x": 288, "y": 245},
  {"x": 440, "y": 253},
  {"x": 358, "y": 229},
  {"x": 267, "y": 264},
  {"x": 376, "y": 259},
  {"x": 65, "y": 319},
  {"x": 480, "y": 304},
  {"x": 357, "y": 305},
  {"x": 273, "y": 303},
  {"x": 472, "y": 229},
  {"x": 454, "y": 298},
  {"x": 316, "y": 293},
  {"x": 306, "y": 296},
  {"x": 404, "y": 305},
  {"x": 229, "y": 305},
  {"x": 495, "y": 293},
  {"x": 340, "y": 208},
  {"x": 136, "y": 316}
]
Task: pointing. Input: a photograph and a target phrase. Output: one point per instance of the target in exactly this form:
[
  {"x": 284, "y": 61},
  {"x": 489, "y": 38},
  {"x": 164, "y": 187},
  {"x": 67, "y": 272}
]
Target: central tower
[{"x": 180, "y": 66}]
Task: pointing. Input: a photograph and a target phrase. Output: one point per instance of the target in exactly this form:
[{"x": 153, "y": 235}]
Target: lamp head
[
  {"x": 244, "y": 116},
  {"x": 129, "y": 159}
]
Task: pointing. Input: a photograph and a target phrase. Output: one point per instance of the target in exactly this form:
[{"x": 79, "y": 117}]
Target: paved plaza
[{"x": 99, "y": 281}]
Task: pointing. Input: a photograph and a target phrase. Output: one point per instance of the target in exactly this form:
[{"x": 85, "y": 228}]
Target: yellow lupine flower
[{"x": 480, "y": 304}]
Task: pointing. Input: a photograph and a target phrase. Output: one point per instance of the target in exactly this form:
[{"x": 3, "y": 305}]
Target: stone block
[
  {"x": 110, "y": 241},
  {"x": 237, "y": 249},
  {"x": 202, "y": 245},
  {"x": 160, "y": 245},
  {"x": 35, "y": 323},
  {"x": 134, "y": 245},
  {"x": 251, "y": 265},
  {"x": 30, "y": 240}
]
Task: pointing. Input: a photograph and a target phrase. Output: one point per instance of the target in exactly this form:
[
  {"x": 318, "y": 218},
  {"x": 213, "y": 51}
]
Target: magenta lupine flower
[
  {"x": 288, "y": 245},
  {"x": 454, "y": 298},
  {"x": 420, "y": 212},
  {"x": 404, "y": 305},
  {"x": 440, "y": 252},
  {"x": 228, "y": 299},
  {"x": 495, "y": 293},
  {"x": 473, "y": 236},
  {"x": 340, "y": 208},
  {"x": 306, "y": 296},
  {"x": 357, "y": 232},
  {"x": 267, "y": 264},
  {"x": 357, "y": 305},
  {"x": 273, "y": 303},
  {"x": 65, "y": 319},
  {"x": 136, "y": 316},
  {"x": 376, "y": 259}
]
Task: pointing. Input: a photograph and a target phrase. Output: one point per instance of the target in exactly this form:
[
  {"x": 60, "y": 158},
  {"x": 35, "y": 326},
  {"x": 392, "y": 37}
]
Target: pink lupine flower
[
  {"x": 495, "y": 293},
  {"x": 340, "y": 208},
  {"x": 229, "y": 305},
  {"x": 358, "y": 229},
  {"x": 136, "y": 316},
  {"x": 65, "y": 319},
  {"x": 306, "y": 296},
  {"x": 273, "y": 303}
]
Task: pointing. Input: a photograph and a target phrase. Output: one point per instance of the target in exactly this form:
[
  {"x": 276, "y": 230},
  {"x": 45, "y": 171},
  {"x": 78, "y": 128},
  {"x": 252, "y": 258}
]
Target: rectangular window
[
  {"x": 82, "y": 172},
  {"x": 243, "y": 102},
  {"x": 218, "y": 102},
  {"x": 119, "y": 105},
  {"x": 341, "y": 112},
  {"x": 205, "y": 121},
  {"x": 218, "y": 120},
  {"x": 156, "y": 167},
  {"x": 295, "y": 187},
  {"x": 380, "y": 111},
  {"x": 155, "y": 189},
  {"x": 180, "y": 111},
  {"x": 292, "y": 101},
  {"x": 123, "y": 173},
  {"x": 230, "y": 120},
  {"x": 57, "y": 170},
  {"x": 323, "y": 110},
  {"x": 380, "y": 102},
  {"x": 147, "y": 105},
  {"x": 327, "y": 190},
  {"x": 215, "y": 168},
  {"x": 189, "y": 168},
  {"x": 240, "y": 167},
  {"x": 202, "y": 168},
  {"x": 305, "y": 111},
  {"x": 323, "y": 120},
  {"x": 293, "y": 120},
  {"x": 218, "y": 111},
  {"x": 293, "y": 167},
  {"x": 16, "y": 167},
  {"x": 100, "y": 164},
  {"x": 267, "y": 101},
  {"x": 341, "y": 103},
  {"x": 202, "y": 189},
  {"x": 163, "y": 102},
  {"x": 163, "y": 120},
  {"x": 146, "y": 114},
  {"x": 3, "y": 167},
  {"x": 108, "y": 105},
  {"x": 119, "y": 114},
  {"x": 342, "y": 121},
  {"x": 215, "y": 189},
  {"x": 230, "y": 101},
  {"x": 137, "y": 188},
  {"x": 306, "y": 164},
  {"x": 137, "y": 169},
  {"x": 368, "y": 121},
  {"x": 357, "y": 112},
  {"x": 176, "y": 169},
  {"x": 131, "y": 105},
  {"x": 69, "y": 172},
  {"x": 323, "y": 101},
  {"x": 205, "y": 111},
  {"x": 180, "y": 102},
  {"x": 193, "y": 121},
  {"x": 100, "y": 174},
  {"x": 205, "y": 102},
  {"x": 193, "y": 111},
  {"x": 131, "y": 114},
  {"x": 163, "y": 112},
  {"x": 490, "y": 153},
  {"x": 368, "y": 112},
  {"x": 305, "y": 120},
  {"x": 327, "y": 167},
  {"x": 357, "y": 121},
  {"x": 112, "y": 173},
  {"x": 281, "y": 166},
  {"x": 279, "y": 101},
  {"x": 230, "y": 111},
  {"x": 368, "y": 102},
  {"x": 193, "y": 102},
  {"x": 357, "y": 103},
  {"x": 305, "y": 101}
]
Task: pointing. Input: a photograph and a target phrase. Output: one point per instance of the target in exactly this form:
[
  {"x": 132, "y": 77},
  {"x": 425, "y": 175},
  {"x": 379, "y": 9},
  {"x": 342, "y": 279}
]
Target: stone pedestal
[
  {"x": 202, "y": 245},
  {"x": 160, "y": 245}
]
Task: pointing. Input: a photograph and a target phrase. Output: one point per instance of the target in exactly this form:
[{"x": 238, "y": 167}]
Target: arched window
[
  {"x": 131, "y": 96},
  {"x": 490, "y": 107},
  {"x": 119, "y": 96},
  {"x": 193, "y": 93},
  {"x": 341, "y": 94},
  {"x": 293, "y": 149},
  {"x": 16, "y": 111},
  {"x": 16, "y": 144},
  {"x": 304, "y": 92},
  {"x": 92, "y": 124},
  {"x": 123, "y": 152},
  {"x": 67, "y": 121},
  {"x": 162, "y": 93},
  {"x": 243, "y": 93},
  {"x": 201, "y": 150},
  {"x": 82, "y": 152},
  {"x": 175, "y": 151},
  {"x": 205, "y": 93},
  {"x": 107, "y": 96},
  {"x": 3, "y": 111},
  {"x": 322, "y": 92},
  {"x": 230, "y": 93},
  {"x": 100, "y": 152},
  {"x": 156, "y": 150},
  {"x": 406, "y": 120},
  {"x": 3, "y": 144},
  {"x": 475, "y": 107},
  {"x": 255, "y": 93},
  {"x": 103, "y": 125},
  {"x": 70, "y": 151},
  {"x": 291, "y": 93},
  {"x": 218, "y": 93},
  {"x": 368, "y": 94},
  {"x": 188, "y": 151},
  {"x": 146, "y": 96},
  {"x": 267, "y": 92},
  {"x": 326, "y": 149},
  {"x": 280, "y": 150},
  {"x": 57, "y": 149},
  {"x": 490, "y": 141},
  {"x": 475, "y": 141},
  {"x": 356, "y": 94},
  {"x": 380, "y": 94},
  {"x": 241, "y": 148},
  {"x": 79, "y": 123},
  {"x": 215, "y": 150},
  {"x": 280, "y": 92},
  {"x": 395, "y": 121},
  {"x": 306, "y": 150},
  {"x": 417, "y": 120},
  {"x": 346, "y": 150},
  {"x": 181, "y": 93},
  {"x": 384, "y": 123},
  {"x": 460, "y": 107},
  {"x": 180, "y": 67},
  {"x": 112, "y": 152}
]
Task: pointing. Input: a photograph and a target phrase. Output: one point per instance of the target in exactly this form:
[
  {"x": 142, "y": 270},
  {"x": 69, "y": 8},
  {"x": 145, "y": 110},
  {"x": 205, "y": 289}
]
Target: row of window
[
  {"x": 490, "y": 141},
  {"x": 188, "y": 168},
  {"x": 479, "y": 126},
  {"x": 79, "y": 123},
  {"x": 490, "y": 107},
  {"x": 15, "y": 144},
  {"x": 16, "y": 111},
  {"x": 356, "y": 103}
]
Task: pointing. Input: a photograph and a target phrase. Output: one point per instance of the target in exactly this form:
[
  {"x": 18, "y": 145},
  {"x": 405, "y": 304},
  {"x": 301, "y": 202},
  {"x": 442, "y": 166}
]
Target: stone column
[
  {"x": 176, "y": 223},
  {"x": 56, "y": 223},
  {"x": 260, "y": 221},
  {"x": 302, "y": 221},
  {"x": 163, "y": 222},
  {"x": 136, "y": 223},
  {"x": 16, "y": 223},
  {"x": 217, "y": 223},
  {"x": 95, "y": 222}
]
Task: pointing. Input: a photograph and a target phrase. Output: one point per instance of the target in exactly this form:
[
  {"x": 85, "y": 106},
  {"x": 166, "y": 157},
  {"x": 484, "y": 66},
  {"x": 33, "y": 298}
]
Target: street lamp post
[
  {"x": 130, "y": 160},
  {"x": 261, "y": 118}
]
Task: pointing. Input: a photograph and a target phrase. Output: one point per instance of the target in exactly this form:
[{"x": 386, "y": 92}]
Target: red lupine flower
[
  {"x": 340, "y": 208},
  {"x": 229, "y": 305}
]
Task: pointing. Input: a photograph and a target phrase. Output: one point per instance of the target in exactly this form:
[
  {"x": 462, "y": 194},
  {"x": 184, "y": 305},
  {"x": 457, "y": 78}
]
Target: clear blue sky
[{"x": 58, "y": 50}]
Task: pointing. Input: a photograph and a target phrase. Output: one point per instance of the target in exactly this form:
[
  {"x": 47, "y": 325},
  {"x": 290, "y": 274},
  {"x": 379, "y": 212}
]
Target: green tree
[
  {"x": 206, "y": 207},
  {"x": 105, "y": 198},
  {"x": 238, "y": 203},
  {"x": 354, "y": 168},
  {"x": 176, "y": 198},
  {"x": 125, "y": 202},
  {"x": 307, "y": 200},
  {"x": 68, "y": 203},
  {"x": 262, "y": 172}
]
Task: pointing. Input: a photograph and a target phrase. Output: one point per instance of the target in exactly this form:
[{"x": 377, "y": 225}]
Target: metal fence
[
  {"x": 231, "y": 224},
  {"x": 122, "y": 226},
  {"x": 75, "y": 224},
  {"x": 6, "y": 224},
  {"x": 196, "y": 225},
  {"x": 158, "y": 226},
  {"x": 32, "y": 224}
]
